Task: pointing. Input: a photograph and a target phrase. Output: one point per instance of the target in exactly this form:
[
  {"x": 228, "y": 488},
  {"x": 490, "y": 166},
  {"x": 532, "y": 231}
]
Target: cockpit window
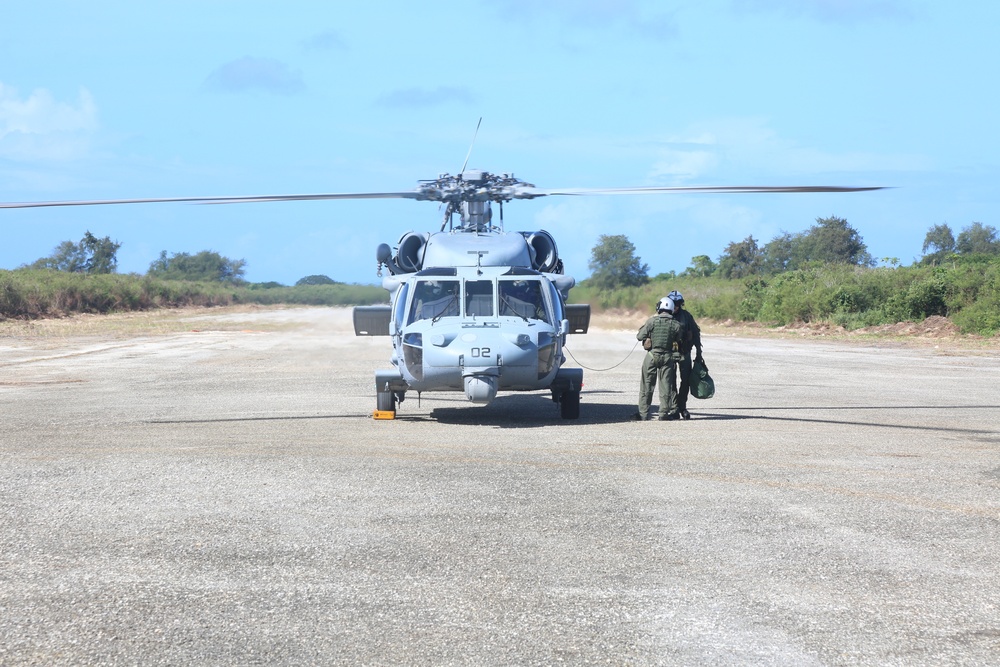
[
  {"x": 479, "y": 298},
  {"x": 522, "y": 298},
  {"x": 433, "y": 299},
  {"x": 557, "y": 303},
  {"x": 401, "y": 304}
]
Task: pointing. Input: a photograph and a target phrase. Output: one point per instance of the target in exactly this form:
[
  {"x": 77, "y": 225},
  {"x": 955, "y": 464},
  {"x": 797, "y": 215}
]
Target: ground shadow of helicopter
[{"x": 527, "y": 411}]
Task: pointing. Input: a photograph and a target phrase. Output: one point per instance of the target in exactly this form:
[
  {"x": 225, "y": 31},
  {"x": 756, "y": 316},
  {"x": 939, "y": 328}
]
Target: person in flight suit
[
  {"x": 666, "y": 335},
  {"x": 692, "y": 340}
]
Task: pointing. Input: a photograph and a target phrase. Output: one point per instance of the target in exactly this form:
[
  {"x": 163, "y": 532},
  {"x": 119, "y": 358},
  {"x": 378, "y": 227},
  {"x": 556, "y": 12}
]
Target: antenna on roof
[{"x": 469, "y": 154}]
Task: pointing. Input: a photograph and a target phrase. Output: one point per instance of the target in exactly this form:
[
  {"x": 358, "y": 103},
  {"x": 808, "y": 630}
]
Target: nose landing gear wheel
[{"x": 385, "y": 405}]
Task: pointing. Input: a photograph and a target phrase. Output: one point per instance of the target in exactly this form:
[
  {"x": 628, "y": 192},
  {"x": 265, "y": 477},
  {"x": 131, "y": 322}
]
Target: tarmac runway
[{"x": 220, "y": 494}]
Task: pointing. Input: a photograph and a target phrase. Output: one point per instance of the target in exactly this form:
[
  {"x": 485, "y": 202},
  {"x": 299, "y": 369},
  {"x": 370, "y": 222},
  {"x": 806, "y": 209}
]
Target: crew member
[
  {"x": 665, "y": 334},
  {"x": 691, "y": 340}
]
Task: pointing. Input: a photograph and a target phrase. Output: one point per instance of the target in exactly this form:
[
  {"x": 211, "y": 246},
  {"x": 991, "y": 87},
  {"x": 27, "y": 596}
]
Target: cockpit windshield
[
  {"x": 522, "y": 298},
  {"x": 478, "y": 298},
  {"x": 433, "y": 299}
]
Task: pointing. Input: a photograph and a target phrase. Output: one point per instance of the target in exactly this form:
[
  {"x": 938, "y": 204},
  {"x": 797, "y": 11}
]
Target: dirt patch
[
  {"x": 933, "y": 327},
  {"x": 933, "y": 331},
  {"x": 117, "y": 326}
]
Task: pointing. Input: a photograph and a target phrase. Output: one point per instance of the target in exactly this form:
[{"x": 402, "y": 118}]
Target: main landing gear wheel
[{"x": 569, "y": 405}]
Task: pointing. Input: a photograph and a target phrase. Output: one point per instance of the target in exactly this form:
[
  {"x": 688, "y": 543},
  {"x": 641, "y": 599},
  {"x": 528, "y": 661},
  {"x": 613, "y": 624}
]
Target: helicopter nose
[{"x": 480, "y": 389}]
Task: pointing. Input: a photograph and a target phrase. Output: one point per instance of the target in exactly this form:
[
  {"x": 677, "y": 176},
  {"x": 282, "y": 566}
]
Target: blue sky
[{"x": 121, "y": 99}]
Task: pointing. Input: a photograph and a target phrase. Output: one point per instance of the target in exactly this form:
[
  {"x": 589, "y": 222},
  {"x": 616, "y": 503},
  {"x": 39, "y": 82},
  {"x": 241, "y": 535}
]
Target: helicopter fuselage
[
  {"x": 476, "y": 328},
  {"x": 476, "y": 317}
]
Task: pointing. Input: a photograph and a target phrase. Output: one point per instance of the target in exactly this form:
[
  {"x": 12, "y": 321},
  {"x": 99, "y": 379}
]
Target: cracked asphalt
[{"x": 220, "y": 495}]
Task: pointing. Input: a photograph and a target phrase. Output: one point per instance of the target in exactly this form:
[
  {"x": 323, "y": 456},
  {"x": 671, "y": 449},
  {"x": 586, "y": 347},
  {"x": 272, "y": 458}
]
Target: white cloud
[
  {"x": 734, "y": 147},
  {"x": 39, "y": 127},
  {"x": 677, "y": 165}
]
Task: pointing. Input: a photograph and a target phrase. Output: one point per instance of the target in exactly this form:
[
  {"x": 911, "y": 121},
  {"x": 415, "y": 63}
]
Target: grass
[
  {"x": 966, "y": 291},
  {"x": 33, "y": 294}
]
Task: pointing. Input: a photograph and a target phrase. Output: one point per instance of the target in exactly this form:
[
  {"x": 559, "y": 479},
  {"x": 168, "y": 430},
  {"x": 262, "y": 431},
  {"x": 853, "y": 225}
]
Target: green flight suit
[
  {"x": 692, "y": 340},
  {"x": 659, "y": 363}
]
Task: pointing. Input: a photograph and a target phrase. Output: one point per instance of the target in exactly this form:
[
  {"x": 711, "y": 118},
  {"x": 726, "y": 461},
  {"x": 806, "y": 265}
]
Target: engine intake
[
  {"x": 544, "y": 253},
  {"x": 410, "y": 254}
]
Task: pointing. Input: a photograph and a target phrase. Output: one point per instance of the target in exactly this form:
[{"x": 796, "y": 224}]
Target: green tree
[
  {"x": 89, "y": 255},
  {"x": 938, "y": 244},
  {"x": 780, "y": 252},
  {"x": 978, "y": 239},
  {"x": 613, "y": 263},
  {"x": 318, "y": 279},
  {"x": 702, "y": 266},
  {"x": 741, "y": 259},
  {"x": 67, "y": 256},
  {"x": 939, "y": 239},
  {"x": 830, "y": 241},
  {"x": 102, "y": 254},
  {"x": 833, "y": 241},
  {"x": 206, "y": 266}
]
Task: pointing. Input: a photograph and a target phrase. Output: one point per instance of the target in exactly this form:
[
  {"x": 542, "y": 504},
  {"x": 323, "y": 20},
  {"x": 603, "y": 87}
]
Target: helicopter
[{"x": 472, "y": 307}]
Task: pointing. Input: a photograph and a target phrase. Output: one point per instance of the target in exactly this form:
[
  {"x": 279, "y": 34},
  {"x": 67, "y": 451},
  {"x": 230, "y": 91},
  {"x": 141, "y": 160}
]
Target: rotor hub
[{"x": 474, "y": 186}]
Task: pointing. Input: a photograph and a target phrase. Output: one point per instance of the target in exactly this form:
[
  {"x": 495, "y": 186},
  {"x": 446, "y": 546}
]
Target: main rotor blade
[
  {"x": 216, "y": 200},
  {"x": 452, "y": 189},
  {"x": 530, "y": 193}
]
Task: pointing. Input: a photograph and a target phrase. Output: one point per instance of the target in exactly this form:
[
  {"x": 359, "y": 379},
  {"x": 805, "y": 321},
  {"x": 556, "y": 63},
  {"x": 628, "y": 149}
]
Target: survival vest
[{"x": 666, "y": 334}]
